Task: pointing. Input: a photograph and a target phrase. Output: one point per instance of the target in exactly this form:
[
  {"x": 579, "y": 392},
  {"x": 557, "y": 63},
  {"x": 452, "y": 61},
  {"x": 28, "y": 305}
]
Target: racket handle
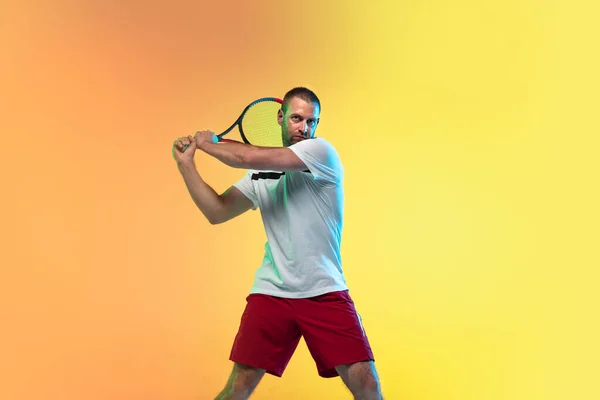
[{"x": 219, "y": 140}]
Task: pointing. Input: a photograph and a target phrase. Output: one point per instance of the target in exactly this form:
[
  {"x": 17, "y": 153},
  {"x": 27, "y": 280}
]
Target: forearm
[
  {"x": 233, "y": 154},
  {"x": 204, "y": 196}
]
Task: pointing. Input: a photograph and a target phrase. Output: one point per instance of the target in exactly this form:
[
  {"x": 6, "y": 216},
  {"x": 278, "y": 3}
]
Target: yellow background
[{"x": 469, "y": 134}]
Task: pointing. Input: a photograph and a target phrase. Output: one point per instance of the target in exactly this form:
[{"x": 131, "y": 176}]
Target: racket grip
[{"x": 219, "y": 139}]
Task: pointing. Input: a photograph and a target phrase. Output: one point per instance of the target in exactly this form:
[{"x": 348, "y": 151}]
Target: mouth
[{"x": 298, "y": 138}]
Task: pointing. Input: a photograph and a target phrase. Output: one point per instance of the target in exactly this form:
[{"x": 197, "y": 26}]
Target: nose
[{"x": 303, "y": 128}]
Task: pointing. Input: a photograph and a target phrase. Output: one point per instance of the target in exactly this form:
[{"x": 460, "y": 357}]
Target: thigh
[
  {"x": 268, "y": 334},
  {"x": 333, "y": 331}
]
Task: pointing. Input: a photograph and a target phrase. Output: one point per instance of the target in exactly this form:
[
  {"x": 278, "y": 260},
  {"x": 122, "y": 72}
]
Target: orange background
[{"x": 469, "y": 134}]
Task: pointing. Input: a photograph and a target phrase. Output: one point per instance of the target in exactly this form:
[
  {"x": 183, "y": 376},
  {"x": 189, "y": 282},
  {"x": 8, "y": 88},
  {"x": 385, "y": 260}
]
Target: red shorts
[{"x": 271, "y": 327}]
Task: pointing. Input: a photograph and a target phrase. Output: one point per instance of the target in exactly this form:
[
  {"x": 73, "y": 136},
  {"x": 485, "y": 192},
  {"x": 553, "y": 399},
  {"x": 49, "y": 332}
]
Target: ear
[{"x": 280, "y": 117}]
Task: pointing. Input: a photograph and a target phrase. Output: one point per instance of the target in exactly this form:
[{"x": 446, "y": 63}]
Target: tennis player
[{"x": 299, "y": 289}]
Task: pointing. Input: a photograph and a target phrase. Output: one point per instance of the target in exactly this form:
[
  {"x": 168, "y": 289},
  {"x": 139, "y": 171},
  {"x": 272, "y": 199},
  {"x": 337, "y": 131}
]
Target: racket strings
[{"x": 260, "y": 124}]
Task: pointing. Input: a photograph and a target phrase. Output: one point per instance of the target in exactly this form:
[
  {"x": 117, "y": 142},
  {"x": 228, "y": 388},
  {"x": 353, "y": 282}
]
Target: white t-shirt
[{"x": 302, "y": 214}]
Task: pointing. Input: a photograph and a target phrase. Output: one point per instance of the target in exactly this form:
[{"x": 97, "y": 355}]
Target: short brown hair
[{"x": 305, "y": 94}]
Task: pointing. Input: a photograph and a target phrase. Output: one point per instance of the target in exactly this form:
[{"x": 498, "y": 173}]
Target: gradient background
[{"x": 469, "y": 134}]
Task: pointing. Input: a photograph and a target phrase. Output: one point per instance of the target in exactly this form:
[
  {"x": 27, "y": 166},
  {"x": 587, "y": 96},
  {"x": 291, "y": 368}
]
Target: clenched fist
[
  {"x": 205, "y": 136},
  {"x": 184, "y": 149}
]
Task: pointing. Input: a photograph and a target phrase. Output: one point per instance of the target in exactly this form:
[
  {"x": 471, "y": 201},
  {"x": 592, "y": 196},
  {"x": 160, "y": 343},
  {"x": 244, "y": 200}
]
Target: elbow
[
  {"x": 218, "y": 213},
  {"x": 214, "y": 220},
  {"x": 218, "y": 216}
]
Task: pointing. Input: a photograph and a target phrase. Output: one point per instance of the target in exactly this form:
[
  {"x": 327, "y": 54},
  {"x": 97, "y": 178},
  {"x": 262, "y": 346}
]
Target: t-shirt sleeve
[
  {"x": 321, "y": 158},
  {"x": 245, "y": 186}
]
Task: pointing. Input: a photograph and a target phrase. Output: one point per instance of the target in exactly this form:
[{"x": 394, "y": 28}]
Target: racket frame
[{"x": 240, "y": 119}]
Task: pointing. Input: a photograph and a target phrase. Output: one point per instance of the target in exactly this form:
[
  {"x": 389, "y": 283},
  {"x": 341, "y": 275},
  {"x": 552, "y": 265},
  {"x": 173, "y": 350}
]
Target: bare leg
[
  {"x": 361, "y": 379},
  {"x": 241, "y": 383}
]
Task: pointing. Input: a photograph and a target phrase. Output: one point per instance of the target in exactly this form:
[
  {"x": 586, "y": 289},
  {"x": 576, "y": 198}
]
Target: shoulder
[
  {"x": 315, "y": 142},
  {"x": 316, "y": 146},
  {"x": 321, "y": 158}
]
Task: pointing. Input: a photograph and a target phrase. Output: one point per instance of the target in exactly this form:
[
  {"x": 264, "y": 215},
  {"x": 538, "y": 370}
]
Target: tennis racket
[{"x": 257, "y": 124}]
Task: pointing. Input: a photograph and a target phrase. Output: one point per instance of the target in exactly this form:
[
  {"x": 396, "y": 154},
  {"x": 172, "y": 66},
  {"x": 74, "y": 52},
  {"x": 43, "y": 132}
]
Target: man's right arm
[{"x": 216, "y": 208}]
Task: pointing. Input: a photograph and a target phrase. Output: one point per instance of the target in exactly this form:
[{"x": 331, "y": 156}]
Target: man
[{"x": 299, "y": 290}]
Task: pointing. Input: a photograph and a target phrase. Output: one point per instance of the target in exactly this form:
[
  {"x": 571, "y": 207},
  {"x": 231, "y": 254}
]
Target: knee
[
  {"x": 367, "y": 387},
  {"x": 242, "y": 382},
  {"x": 370, "y": 386}
]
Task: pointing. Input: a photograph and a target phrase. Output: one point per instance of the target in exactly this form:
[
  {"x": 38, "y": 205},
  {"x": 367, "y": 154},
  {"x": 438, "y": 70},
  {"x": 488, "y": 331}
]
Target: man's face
[{"x": 299, "y": 121}]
